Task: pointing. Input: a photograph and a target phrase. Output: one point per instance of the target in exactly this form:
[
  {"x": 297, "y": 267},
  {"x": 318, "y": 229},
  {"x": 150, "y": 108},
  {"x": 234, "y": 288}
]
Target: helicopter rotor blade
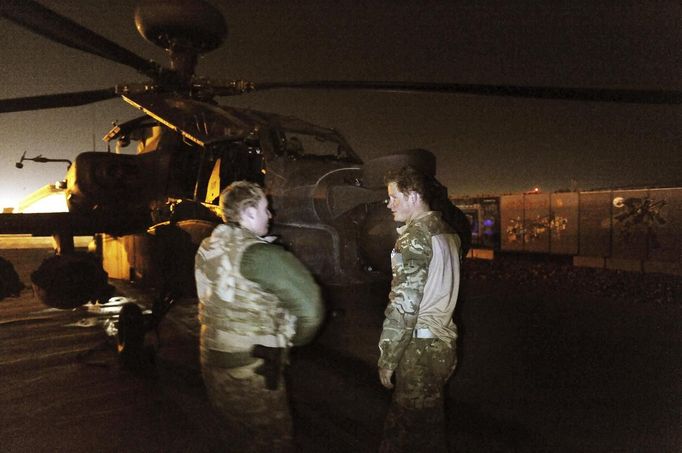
[
  {"x": 51, "y": 101},
  {"x": 57, "y": 28},
  {"x": 671, "y": 97}
]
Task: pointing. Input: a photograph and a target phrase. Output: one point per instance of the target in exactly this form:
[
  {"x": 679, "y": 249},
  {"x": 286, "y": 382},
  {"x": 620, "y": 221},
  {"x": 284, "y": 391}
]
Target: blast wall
[{"x": 621, "y": 229}]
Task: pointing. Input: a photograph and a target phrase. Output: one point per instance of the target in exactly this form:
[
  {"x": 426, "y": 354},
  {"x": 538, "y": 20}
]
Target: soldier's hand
[{"x": 385, "y": 376}]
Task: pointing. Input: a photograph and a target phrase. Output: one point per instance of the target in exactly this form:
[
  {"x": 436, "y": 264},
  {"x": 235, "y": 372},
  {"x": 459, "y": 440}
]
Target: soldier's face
[
  {"x": 399, "y": 203},
  {"x": 257, "y": 218}
]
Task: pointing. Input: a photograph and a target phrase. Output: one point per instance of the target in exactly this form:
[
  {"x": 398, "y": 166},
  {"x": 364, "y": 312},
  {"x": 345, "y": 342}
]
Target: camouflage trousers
[
  {"x": 255, "y": 419},
  {"x": 416, "y": 418}
]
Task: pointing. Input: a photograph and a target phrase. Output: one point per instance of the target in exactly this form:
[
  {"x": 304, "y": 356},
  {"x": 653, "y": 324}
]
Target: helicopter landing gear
[{"x": 133, "y": 354}]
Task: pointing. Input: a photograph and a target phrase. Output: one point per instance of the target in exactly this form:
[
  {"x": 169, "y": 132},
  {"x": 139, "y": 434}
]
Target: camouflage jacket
[
  {"x": 252, "y": 292},
  {"x": 425, "y": 264}
]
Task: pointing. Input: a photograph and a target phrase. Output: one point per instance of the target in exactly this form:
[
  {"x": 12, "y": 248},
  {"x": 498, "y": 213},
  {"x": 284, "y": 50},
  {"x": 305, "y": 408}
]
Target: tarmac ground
[{"x": 546, "y": 364}]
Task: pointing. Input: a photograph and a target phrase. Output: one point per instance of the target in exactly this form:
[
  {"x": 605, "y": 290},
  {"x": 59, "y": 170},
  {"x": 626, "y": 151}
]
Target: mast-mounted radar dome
[{"x": 184, "y": 28}]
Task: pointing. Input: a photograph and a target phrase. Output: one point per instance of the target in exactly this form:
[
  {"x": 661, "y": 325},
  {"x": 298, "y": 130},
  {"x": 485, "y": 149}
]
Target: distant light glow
[
  {"x": 10, "y": 200},
  {"x": 49, "y": 198},
  {"x": 55, "y": 202}
]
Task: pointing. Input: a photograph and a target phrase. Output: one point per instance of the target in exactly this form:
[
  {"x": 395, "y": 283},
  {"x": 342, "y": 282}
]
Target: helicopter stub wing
[{"x": 75, "y": 224}]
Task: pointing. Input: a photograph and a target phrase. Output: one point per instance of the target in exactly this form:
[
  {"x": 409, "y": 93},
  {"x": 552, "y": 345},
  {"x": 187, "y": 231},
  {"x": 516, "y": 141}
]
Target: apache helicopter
[{"x": 150, "y": 210}]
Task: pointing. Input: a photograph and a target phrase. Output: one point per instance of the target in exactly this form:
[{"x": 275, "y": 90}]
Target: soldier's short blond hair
[{"x": 238, "y": 196}]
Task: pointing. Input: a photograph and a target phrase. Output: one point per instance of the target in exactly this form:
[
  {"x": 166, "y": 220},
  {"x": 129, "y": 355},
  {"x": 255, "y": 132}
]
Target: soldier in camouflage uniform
[
  {"x": 253, "y": 296},
  {"x": 418, "y": 337}
]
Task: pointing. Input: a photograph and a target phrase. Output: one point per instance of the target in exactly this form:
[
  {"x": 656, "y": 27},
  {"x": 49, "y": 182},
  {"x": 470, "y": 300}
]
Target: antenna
[{"x": 40, "y": 159}]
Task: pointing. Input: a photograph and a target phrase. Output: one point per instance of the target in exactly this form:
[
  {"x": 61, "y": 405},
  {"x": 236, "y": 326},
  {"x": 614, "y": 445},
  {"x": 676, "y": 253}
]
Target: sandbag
[{"x": 10, "y": 284}]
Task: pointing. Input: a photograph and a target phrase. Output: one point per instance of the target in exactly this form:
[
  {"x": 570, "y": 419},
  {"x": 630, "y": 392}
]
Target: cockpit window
[{"x": 299, "y": 144}]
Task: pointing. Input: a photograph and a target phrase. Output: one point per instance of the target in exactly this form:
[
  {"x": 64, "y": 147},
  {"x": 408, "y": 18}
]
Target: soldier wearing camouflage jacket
[
  {"x": 251, "y": 292},
  {"x": 418, "y": 339}
]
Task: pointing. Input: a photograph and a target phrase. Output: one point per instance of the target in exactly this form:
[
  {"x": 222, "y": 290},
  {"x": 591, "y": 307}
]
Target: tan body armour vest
[{"x": 236, "y": 313}]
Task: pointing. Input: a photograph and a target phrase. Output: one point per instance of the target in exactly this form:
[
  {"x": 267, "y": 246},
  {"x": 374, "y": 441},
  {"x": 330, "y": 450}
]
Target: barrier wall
[
  {"x": 629, "y": 235},
  {"x": 539, "y": 223},
  {"x": 564, "y": 223},
  {"x": 629, "y": 229},
  {"x": 594, "y": 226},
  {"x": 512, "y": 220},
  {"x": 665, "y": 239},
  {"x": 536, "y": 223}
]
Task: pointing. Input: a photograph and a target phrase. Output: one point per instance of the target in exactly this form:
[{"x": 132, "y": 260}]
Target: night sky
[{"x": 483, "y": 144}]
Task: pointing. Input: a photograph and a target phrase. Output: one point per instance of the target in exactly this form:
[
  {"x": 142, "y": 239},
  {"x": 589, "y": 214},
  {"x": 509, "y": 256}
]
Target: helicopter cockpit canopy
[
  {"x": 298, "y": 144},
  {"x": 199, "y": 122},
  {"x": 197, "y": 148},
  {"x": 206, "y": 124}
]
